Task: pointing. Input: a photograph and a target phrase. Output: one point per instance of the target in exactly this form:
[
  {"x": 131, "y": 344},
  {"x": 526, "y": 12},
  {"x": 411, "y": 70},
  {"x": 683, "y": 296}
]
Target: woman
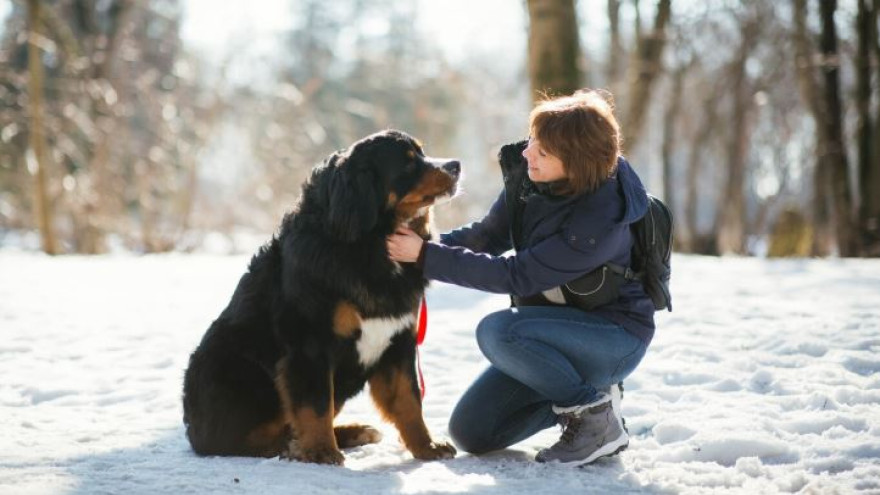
[{"x": 566, "y": 209}]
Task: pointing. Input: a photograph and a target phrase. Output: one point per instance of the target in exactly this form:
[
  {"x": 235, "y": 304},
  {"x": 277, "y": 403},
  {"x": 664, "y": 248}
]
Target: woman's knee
[
  {"x": 493, "y": 330},
  {"x": 469, "y": 433}
]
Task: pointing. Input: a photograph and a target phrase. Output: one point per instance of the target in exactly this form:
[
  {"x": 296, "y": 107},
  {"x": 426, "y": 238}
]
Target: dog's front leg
[
  {"x": 394, "y": 390},
  {"x": 305, "y": 386}
]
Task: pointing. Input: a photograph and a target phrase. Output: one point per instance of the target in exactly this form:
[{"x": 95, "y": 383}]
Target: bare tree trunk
[
  {"x": 697, "y": 243},
  {"x": 840, "y": 190},
  {"x": 810, "y": 93},
  {"x": 646, "y": 67},
  {"x": 99, "y": 208},
  {"x": 554, "y": 47},
  {"x": 37, "y": 139},
  {"x": 637, "y": 28},
  {"x": 869, "y": 167},
  {"x": 875, "y": 35},
  {"x": 669, "y": 135},
  {"x": 731, "y": 225},
  {"x": 617, "y": 56},
  {"x": 875, "y": 160}
]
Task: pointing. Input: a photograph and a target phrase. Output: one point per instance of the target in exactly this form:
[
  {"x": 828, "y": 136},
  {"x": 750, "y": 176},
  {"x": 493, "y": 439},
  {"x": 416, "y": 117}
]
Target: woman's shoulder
[
  {"x": 601, "y": 203},
  {"x": 597, "y": 213},
  {"x": 621, "y": 198}
]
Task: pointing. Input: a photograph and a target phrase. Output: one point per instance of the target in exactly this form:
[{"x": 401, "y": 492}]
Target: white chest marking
[{"x": 376, "y": 334}]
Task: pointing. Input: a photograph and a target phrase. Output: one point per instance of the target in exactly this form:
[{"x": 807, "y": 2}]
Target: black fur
[{"x": 276, "y": 336}]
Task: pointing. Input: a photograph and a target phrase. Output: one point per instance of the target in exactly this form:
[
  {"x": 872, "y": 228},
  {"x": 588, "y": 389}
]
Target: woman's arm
[
  {"x": 550, "y": 263},
  {"x": 489, "y": 235}
]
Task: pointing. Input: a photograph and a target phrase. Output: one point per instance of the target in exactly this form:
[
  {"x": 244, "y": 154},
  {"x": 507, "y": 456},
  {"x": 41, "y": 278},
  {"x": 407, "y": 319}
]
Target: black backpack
[{"x": 652, "y": 250}]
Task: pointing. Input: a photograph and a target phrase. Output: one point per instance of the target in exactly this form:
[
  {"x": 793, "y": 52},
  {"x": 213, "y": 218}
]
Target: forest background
[{"x": 165, "y": 125}]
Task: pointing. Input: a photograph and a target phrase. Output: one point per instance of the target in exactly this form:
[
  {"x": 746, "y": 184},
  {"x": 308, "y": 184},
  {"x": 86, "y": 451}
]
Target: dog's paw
[
  {"x": 316, "y": 455},
  {"x": 348, "y": 436},
  {"x": 327, "y": 455},
  {"x": 434, "y": 451}
]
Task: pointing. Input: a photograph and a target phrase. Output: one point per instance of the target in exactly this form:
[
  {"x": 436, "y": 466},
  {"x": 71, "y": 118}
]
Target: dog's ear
[{"x": 354, "y": 201}]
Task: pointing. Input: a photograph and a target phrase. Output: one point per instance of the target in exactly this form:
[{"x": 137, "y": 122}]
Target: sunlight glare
[{"x": 434, "y": 477}]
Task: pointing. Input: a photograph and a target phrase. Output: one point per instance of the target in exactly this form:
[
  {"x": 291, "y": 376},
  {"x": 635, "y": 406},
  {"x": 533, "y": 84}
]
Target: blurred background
[{"x": 189, "y": 125}]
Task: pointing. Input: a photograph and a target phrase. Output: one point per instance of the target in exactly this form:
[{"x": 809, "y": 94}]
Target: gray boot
[
  {"x": 589, "y": 432},
  {"x": 616, "y": 393}
]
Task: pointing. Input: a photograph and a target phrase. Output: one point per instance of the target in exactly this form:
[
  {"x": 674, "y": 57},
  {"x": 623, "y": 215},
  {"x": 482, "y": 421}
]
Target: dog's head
[{"x": 385, "y": 178}]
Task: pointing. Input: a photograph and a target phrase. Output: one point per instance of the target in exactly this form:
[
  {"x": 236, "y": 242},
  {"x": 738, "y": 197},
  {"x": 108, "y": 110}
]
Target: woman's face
[{"x": 543, "y": 167}]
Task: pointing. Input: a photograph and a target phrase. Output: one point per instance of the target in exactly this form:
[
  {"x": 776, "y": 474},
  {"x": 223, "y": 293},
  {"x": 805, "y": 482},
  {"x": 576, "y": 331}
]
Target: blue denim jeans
[{"x": 540, "y": 356}]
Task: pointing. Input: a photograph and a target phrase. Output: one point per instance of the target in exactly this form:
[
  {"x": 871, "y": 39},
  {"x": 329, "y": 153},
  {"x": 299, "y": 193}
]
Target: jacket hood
[{"x": 634, "y": 194}]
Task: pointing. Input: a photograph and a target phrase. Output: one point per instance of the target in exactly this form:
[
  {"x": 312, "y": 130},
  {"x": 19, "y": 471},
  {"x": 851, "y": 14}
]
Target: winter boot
[
  {"x": 616, "y": 393},
  {"x": 589, "y": 432}
]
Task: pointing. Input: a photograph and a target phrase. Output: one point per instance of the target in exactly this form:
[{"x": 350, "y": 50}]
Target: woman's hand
[{"x": 404, "y": 245}]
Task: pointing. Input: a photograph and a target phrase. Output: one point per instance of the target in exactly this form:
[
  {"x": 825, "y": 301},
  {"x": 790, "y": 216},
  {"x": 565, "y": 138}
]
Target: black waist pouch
[
  {"x": 597, "y": 288},
  {"x": 587, "y": 292}
]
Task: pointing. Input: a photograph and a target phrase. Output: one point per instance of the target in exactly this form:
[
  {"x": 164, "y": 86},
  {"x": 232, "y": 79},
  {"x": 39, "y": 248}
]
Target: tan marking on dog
[
  {"x": 411, "y": 154},
  {"x": 416, "y": 310},
  {"x": 312, "y": 434},
  {"x": 392, "y": 200},
  {"x": 346, "y": 320},
  {"x": 434, "y": 183},
  {"x": 315, "y": 440},
  {"x": 348, "y": 436},
  {"x": 269, "y": 439},
  {"x": 398, "y": 403},
  {"x": 283, "y": 391},
  {"x": 422, "y": 224}
]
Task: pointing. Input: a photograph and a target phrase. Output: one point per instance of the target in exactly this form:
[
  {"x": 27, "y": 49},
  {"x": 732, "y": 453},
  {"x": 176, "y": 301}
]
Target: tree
[
  {"x": 37, "y": 138},
  {"x": 119, "y": 121},
  {"x": 875, "y": 175},
  {"x": 644, "y": 70},
  {"x": 731, "y": 224},
  {"x": 670, "y": 136},
  {"x": 868, "y": 154},
  {"x": 617, "y": 54},
  {"x": 809, "y": 88},
  {"x": 554, "y": 47},
  {"x": 835, "y": 153},
  {"x": 696, "y": 241}
]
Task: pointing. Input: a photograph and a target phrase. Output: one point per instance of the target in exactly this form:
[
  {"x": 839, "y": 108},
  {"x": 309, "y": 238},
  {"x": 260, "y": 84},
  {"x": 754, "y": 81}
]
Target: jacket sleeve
[
  {"x": 554, "y": 261},
  {"x": 490, "y": 235}
]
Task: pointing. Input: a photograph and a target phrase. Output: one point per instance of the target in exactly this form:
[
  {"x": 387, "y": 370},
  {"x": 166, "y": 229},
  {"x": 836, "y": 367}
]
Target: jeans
[{"x": 540, "y": 356}]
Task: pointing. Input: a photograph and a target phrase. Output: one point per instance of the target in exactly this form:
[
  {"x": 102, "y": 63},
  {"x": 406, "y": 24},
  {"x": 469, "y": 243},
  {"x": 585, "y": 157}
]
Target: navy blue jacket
[{"x": 562, "y": 238}]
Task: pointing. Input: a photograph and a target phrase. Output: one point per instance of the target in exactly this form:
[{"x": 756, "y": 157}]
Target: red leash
[{"x": 420, "y": 337}]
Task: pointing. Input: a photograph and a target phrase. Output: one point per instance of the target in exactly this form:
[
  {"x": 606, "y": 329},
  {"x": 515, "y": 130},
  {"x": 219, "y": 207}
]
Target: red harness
[{"x": 420, "y": 337}]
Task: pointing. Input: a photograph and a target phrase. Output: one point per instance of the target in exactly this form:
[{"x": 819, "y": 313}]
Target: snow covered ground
[{"x": 765, "y": 379}]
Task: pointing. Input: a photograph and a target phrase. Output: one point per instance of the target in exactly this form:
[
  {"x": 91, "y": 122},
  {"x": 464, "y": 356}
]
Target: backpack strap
[{"x": 624, "y": 271}]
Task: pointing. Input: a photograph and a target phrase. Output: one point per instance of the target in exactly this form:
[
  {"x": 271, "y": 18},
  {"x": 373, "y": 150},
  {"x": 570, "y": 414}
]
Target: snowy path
[{"x": 765, "y": 379}]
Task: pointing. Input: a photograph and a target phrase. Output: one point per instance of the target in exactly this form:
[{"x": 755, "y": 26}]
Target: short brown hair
[{"x": 583, "y": 133}]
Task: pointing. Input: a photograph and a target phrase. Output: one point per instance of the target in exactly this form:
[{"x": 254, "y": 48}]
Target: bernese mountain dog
[{"x": 320, "y": 312}]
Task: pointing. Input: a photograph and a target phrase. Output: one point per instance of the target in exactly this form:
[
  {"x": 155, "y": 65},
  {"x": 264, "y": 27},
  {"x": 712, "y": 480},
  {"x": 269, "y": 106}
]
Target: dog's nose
[{"x": 453, "y": 167}]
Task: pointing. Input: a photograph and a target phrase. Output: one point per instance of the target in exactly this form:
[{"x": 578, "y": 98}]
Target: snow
[{"x": 765, "y": 379}]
